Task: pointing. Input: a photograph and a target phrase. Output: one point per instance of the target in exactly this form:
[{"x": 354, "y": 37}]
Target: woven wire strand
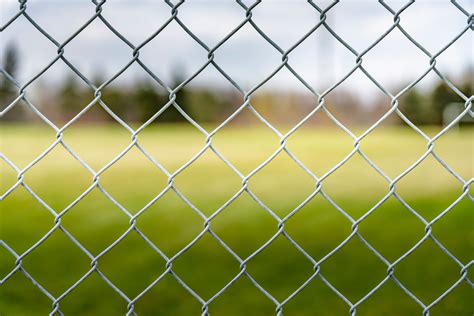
[{"x": 97, "y": 7}]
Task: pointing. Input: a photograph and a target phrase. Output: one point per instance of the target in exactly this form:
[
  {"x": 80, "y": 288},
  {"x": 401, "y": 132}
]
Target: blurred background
[
  {"x": 209, "y": 99},
  {"x": 247, "y": 58}
]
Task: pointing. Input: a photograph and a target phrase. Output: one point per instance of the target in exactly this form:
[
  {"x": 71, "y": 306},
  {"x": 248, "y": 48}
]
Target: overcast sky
[{"x": 321, "y": 60}]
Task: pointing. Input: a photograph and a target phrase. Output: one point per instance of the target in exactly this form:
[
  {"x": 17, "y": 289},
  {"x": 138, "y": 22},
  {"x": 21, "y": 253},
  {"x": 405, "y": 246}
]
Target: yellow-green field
[{"x": 244, "y": 225}]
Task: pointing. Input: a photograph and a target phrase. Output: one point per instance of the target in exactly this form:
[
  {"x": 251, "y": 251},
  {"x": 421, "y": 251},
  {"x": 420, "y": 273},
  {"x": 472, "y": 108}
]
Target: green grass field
[{"x": 208, "y": 183}]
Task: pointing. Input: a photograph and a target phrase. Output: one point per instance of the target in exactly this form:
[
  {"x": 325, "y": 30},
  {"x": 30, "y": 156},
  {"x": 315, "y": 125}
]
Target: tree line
[{"x": 139, "y": 101}]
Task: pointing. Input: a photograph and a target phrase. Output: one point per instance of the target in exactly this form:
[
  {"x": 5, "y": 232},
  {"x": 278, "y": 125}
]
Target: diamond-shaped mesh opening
[
  {"x": 170, "y": 216},
  {"x": 171, "y": 146},
  {"x": 359, "y": 16},
  {"x": 82, "y": 298},
  {"x": 236, "y": 151},
  {"x": 95, "y": 221},
  {"x": 205, "y": 276},
  {"x": 14, "y": 303},
  {"x": 395, "y": 298},
  {"x": 76, "y": 16},
  {"x": 67, "y": 100},
  {"x": 16, "y": 143},
  {"x": 177, "y": 48},
  {"x": 96, "y": 152},
  {"x": 395, "y": 156},
  {"x": 453, "y": 303},
  {"x": 140, "y": 172},
  {"x": 268, "y": 273},
  {"x": 173, "y": 299},
  {"x": 283, "y": 101},
  {"x": 318, "y": 227},
  {"x": 316, "y": 296},
  {"x": 209, "y": 108},
  {"x": 456, "y": 51},
  {"x": 150, "y": 16},
  {"x": 16, "y": 207},
  {"x": 38, "y": 47},
  {"x": 320, "y": 59},
  {"x": 433, "y": 111},
  {"x": 354, "y": 270},
  {"x": 68, "y": 179},
  {"x": 347, "y": 183},
  {"x": 288, "y": 14},
  {"x": 320, "y": 144},
  {"x": 132, "y": 256},
  {"x": 242, "y": 235},
  {"x": 396, "y": 43},
  {"x": 205, "y": 22},
  {"x": 255, "y": 48},
  {"x": 220, "y": 185},
  {"x": 445, "y": 149},
  {"x": 124, "y": 108},
  {"x": 91, "y": 62},
  {"x": 251, "y": 298},
  {"x": 423, "y": 280},
  {"x": 454, "y": 230},
  {"x": 401, "y": 229},
  {"x": 427, "y": 13},
  {"x": 342, "y": 103},
  {"x": 44, "y": 262},
  {"x": 432, "y": 175},
  {"x": 294, "y": 189}
]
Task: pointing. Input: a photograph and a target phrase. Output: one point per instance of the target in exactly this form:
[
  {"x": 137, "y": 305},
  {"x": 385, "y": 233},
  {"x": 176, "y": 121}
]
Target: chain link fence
[{"x": 97, "y": 8}]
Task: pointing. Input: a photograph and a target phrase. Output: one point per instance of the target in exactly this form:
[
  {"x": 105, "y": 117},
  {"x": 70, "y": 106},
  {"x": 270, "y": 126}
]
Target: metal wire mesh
[{"x": 98, "y": 8}]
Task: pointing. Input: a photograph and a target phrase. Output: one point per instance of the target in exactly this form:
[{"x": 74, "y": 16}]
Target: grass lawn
[{"x": 244, "y": 225}]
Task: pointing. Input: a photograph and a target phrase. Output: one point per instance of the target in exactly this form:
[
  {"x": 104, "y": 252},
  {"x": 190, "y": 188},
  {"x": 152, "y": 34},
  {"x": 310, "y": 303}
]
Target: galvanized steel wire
[{"x": 97, "y": 7}]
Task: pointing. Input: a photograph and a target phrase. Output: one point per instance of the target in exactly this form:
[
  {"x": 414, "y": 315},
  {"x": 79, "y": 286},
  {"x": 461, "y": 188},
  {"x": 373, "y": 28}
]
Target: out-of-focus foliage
[
  {"x": 8, "y": 91},
  {"x": 141, "y": 100},
  {"x": 427, "y": 107}
]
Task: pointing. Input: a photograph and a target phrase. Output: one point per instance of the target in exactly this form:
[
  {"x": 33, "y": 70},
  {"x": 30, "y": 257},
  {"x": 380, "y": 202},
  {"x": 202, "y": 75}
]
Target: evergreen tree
[
  {"x": 182, "y": 99},
  {"x": 148, "y": 101},
  {"x": 71, "y": 98},
  {"x": 9, "y": 64},
  {"x": 413, "y": 106},
  {"x": 8, "y": 91},
  {"x": 440, "y": 98}
]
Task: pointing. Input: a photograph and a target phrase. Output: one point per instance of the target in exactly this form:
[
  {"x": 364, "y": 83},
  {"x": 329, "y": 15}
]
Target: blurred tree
[
  {"x": 468, "y": 85},
  {"x": 115, "y": 98},
  {"x": 120, "y": 101},
  {"x": 98, "y": 79},
  {"x": 205, "y": 106},
  {"x": 413, "y": 106},
  {"x": 10, "y": 62},
  {"x": 427, "y": 108},
  {"x": 8, "y": 91},
  {"x": 70, "y": 97},
  {"x": 440, "y": 97},
  {"x": 148, "y": 101}
]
